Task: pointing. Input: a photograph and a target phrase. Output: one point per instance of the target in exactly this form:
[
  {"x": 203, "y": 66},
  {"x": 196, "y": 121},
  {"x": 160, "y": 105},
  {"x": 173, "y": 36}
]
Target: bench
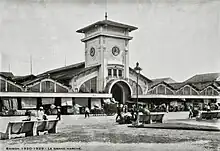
[
  {"x": 153, "y": 117},
  {"x": 47, "y": 125},
  {"x": 209, "y": 115},
  {"x": 29, "y": 128}
]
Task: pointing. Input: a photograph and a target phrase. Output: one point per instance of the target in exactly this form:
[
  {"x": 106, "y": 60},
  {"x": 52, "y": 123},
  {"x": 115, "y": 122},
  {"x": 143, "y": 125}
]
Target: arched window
[
  {"x": 89, "y": 86},
  {"x": 47, "y": 86},
  {"x": 2, "y": 85}
]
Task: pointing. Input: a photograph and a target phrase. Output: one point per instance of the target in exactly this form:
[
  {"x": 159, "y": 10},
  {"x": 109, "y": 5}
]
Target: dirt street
[{"x": 102, "y": 133}]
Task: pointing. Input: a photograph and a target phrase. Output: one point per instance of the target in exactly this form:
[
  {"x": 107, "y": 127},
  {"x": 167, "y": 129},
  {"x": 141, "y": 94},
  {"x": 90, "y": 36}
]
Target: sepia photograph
[{"x": 109, "y": 75}]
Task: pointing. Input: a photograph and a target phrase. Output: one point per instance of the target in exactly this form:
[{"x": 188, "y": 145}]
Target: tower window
[
  {"x": 109, "y": 72},
  {"x": 114, "y": 72},
  {"x": 103, "y": 40},
  {"x": 120, "y": 73}
]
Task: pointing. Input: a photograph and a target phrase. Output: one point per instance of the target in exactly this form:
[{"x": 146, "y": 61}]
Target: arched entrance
[
  {"x": 117, "y": 93},
  {"x": 120, "y": 90}
]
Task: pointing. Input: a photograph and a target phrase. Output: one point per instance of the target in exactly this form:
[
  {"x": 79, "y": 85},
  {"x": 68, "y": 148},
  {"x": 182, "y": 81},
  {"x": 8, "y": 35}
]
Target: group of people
[
  {"x": 121, "y": 110},
  {"x": 41, "y": 114},
  {"x": 126, "y": 116},
  {"x": 195, "y": 111}
]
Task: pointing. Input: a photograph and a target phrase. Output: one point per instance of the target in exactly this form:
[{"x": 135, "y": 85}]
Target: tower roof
[{"x": 107, "y": 22}]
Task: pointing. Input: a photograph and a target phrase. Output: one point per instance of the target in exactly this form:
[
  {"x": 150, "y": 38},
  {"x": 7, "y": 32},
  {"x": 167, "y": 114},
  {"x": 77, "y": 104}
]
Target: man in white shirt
[
  {"x": 87, "y": 112},
  {"x": 40, "y": 113}
]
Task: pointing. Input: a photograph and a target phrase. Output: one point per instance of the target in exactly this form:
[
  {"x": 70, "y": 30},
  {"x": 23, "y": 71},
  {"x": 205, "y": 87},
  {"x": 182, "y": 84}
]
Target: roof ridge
[
  {"x": 207, "y": 73},
  {"x": 62, "y": 68},
  {"x": 161, "y": 78}
]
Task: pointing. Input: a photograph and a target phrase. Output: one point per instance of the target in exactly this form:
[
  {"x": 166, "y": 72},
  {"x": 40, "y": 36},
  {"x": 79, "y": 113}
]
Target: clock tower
[{"x": 107, "y": 46}]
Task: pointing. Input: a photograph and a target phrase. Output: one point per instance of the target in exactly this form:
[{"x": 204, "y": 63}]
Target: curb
[{"x": 175, "y": 127}]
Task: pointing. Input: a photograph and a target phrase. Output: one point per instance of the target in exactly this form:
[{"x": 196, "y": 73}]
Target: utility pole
[
  {"x": 9, "y": 67},
  {"x": 65, "y": 60},
  {"x": 31, "y": 64},
  {"x": 106, "y": 14}
]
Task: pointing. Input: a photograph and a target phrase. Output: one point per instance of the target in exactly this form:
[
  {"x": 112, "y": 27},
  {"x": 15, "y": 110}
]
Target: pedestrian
[
  {"x": 190, "y": 112},
  {"x": 167, "y": 108},
  {"x": 28, "y": 114},
  {"x": 208, "y": 108},
  {"x": 146, "y": 113},
  {"x": 118, "y": 112},
  {"x": 132, "y": 112},
  {"x": 87, "y": 111},
  {"x": 40, "y": 113},
  {"x": 58, "y": 113}
]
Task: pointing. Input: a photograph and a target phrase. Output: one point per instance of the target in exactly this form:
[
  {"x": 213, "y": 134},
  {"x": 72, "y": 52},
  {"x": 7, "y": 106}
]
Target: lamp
[{"x": 137, "y": 70}]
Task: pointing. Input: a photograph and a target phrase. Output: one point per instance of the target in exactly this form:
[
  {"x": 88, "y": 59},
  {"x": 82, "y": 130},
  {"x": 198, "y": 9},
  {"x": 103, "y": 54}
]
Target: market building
[{"x": 104, "y": 74}]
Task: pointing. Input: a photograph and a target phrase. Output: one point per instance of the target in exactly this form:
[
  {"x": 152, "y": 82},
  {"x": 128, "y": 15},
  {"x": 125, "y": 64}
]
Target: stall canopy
[
  {"x": 107, "y": 101},
  {"x": 141, "y": 103},
  {"x": 77, "y": 105},
  {"x": 10, "y": 103},
  {"x": 66, "y": 102},
  {"x": 28, "y": 103},
  {"x": 113, "y": 100},
  {"x": 48, "y": 101}
]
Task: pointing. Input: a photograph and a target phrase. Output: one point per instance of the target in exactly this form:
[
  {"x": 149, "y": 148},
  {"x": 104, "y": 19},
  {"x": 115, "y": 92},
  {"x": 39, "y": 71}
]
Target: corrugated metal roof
[
  {"x": 176, "y": 86},
  {"x": 66, "y": 68},
  {"x": 62, "y": 74},
  {"x": 203, "y": 85},
  {"x": 7, "y": 74},
  {"x": 203, "y": 78},
  {"x": 22, "y": 79},
  {"x": 153, "y": 84},
  {"x": 167, "y": 80}
]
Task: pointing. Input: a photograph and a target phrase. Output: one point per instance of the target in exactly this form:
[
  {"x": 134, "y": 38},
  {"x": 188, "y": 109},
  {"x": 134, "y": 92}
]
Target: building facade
[{"x": 106, "y": 71}]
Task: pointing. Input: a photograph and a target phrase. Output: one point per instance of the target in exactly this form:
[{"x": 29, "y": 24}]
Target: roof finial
[
  {"x": 106, "y": 10},
  {"x": 31, "y": 64},
  {"x": 106, "y": 15}
]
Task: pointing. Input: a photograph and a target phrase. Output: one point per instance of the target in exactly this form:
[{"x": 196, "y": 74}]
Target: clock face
[
  {"x": 115, "y": 51},
  {"x": 92, "y": 51}
]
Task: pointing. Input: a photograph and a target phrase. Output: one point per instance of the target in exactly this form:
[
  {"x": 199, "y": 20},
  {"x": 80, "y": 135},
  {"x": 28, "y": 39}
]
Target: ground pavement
[{"x": 102, "y": 133}]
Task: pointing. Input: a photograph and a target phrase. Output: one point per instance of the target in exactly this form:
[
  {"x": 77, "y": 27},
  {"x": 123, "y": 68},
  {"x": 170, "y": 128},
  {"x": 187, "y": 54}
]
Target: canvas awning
[
  {"x": 106, "y": 101},
  {"x": 29, "y": 103},
  {"x": 77, "y": 105},
  {"x": 142, "y": 103},
  {"x": 66, "y": 102},
  {"x": 48, "y": 101}
]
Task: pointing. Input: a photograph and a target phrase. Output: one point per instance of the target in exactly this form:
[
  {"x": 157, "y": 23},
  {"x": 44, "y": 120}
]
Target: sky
[{"x": 175, "y": 38}]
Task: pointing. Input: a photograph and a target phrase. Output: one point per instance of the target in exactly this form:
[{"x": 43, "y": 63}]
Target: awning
[
  {"x": 130, "y": 101},
  {"x": 162, "y": 96},
  {"x": 48, "y": 101},
  {"x": 218, "y": 101},
  {"x": 107, "y": 101},
  {"x": 142, "y": 103},
  {"x": 54, "y": 95},
  {"x": 29, "y": 103},
  {"x": 66, "y": 102},
  {"x": 52, "y": 106},
  {"x": 77, "y": 105},
  {"x": 113, "y": 101},
  {"x": 10, "y": 103}
]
